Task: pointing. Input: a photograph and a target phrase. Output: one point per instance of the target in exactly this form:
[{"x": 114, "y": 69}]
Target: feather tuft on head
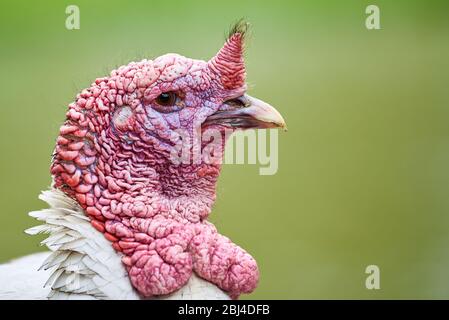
[{"x": 241, "y": 27}]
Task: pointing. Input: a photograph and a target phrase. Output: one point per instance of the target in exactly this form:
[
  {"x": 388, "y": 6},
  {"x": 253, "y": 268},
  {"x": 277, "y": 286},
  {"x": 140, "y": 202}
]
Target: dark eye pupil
[{"x": 166, "y": 99}]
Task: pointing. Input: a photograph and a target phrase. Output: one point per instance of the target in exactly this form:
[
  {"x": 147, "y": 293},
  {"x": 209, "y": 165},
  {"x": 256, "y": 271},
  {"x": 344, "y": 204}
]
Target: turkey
[{"x": 134, "y": 175}]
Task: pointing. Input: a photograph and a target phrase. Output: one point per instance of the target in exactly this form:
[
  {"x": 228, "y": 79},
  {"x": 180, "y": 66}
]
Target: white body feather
[{"x": 81, "y": 263}]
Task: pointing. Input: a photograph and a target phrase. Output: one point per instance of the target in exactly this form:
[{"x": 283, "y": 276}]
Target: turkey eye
[{"x": 166, "y": 99}]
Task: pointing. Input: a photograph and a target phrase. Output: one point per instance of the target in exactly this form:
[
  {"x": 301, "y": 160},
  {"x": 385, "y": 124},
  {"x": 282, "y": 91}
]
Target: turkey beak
[{"x": 250, "y": 113}]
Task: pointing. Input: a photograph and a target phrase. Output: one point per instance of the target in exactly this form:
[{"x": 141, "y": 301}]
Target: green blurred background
[{"x": 363, "y": 170}]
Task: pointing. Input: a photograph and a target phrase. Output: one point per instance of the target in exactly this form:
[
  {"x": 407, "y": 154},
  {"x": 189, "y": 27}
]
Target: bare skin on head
[{"x": 113, "y": 157}]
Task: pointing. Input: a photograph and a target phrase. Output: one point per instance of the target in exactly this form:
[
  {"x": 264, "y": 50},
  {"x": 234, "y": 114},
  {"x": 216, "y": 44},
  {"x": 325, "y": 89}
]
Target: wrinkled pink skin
[{"x": 112, "y": 156}]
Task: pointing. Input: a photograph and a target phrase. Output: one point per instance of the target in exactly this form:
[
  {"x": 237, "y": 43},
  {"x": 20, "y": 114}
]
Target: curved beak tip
[
  {"x": 255, "y": 114},
  {"x": 284, "y": 127},
  {"x": 265, "y": 113}
]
